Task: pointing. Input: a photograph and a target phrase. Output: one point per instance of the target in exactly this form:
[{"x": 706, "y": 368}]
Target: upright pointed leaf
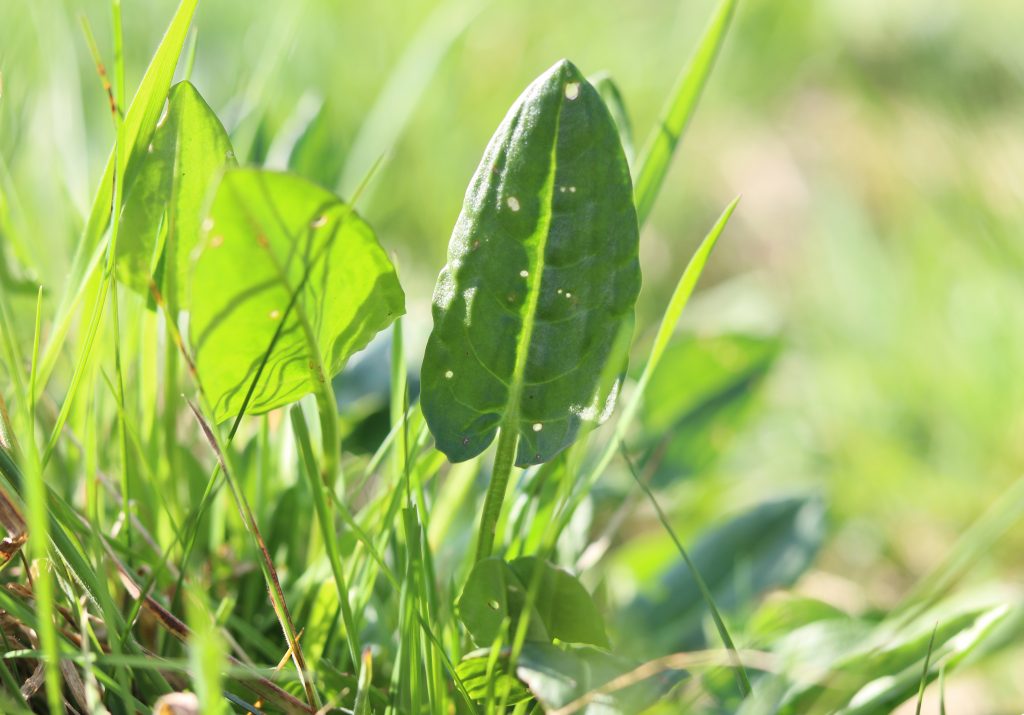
[
  {"x": 283, "y": 262},
  {"x": 542, "y": 271},
  {"x": 164, "y": 205}
]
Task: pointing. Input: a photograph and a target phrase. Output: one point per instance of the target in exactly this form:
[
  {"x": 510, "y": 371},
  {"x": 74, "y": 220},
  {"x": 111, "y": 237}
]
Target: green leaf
[
  {"x": 675, "y": 115},
  {"x": 873, "y": 667},
  {"x": 496, "y": 591},
  {"x": 484, "y": 606},
  {"x": 473, "y": 672},
  {"x": 542, "y": 271},
  {"x": 164, "y": 206},
  {"x": 699, "y": 398},
  {"x": 564, "y": 605},
  {"x": 283, "y": 262},
  {"x": 557, "y": 677},
  {"x": 766, "y": 547}
]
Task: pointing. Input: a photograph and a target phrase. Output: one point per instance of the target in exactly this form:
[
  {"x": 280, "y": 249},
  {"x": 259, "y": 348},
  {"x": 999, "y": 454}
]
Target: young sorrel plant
[{"x": 249, "y": 290}]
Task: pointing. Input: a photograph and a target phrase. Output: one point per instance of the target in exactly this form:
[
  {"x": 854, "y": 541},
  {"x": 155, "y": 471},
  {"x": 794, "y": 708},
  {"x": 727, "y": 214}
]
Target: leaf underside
[
  {"x": 282, "y": 261},
  {"x": 542, "y": 273}
]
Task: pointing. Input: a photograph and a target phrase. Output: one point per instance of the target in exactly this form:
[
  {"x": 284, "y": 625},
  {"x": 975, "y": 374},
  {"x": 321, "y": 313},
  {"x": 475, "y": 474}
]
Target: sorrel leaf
[
  {"x": 283, "y": 261},
  {"x": 542, "y": 272},
  {"x": 163, "y": 209}
]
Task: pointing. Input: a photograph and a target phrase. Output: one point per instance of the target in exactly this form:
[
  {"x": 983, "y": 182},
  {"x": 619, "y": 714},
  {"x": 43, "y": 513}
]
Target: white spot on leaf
[
  {"x": 537, "y": 426},
  {"x": 321, "y": 221},
  {"x": 275, "y": 314},
  {"x": 572, "y": 90},
  {"x": 448, "y": 375},
  {"x": 523, "y": 274},
  {"x": 513, "y": 203},
  {"x": 208, "y": 224}
]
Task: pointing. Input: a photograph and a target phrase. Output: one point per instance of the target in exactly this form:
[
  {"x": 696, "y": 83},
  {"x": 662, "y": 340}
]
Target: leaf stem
[{"x": 504, "y": 458}]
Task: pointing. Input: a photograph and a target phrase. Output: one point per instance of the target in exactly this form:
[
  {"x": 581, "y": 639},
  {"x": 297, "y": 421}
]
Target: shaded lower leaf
[
  {"x": 557, "y": 677},
  {"x": 699, "y": 398},
  {"x": 766, "y": 547},
  {"x": 562, "y": 609},
  {"x": 287, "y": 263}
]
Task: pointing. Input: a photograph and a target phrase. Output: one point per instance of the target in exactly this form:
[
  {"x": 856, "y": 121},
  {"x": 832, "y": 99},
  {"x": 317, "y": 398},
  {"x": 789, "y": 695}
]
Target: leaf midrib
[{"x": 511, "y": 416}]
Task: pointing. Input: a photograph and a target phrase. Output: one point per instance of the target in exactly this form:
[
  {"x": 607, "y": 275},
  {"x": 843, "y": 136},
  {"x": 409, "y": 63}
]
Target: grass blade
[
  {"x": 328, "y": 532},
  {"x": 680, "y": 297},
  {"x": 139, "y": 123},
  {"x": 266, "y": 563},
  {"x": 742, "y": 680},
  {"x": 924, "y": 672},
  {"x": 676, "y": 114}
]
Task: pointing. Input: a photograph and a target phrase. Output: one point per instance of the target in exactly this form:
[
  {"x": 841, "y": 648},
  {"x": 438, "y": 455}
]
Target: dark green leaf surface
[
  {"x": 282, "y": 256},
  {"x": 164, "y": 206},
  {"x": 542, "y": 271}
]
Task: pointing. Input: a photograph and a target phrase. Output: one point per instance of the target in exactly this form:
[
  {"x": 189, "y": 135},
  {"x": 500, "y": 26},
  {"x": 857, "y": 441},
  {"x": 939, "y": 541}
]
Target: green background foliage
[{"x": 861, "y": 308}]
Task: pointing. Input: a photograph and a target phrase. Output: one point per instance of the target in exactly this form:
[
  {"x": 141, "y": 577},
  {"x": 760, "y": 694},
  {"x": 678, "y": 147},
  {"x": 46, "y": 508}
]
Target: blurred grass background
[{"x": 878, "y": 146}]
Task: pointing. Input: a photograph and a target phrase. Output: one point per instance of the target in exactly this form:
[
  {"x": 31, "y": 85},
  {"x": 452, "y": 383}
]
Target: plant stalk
[{"x": 504, "y": 459}]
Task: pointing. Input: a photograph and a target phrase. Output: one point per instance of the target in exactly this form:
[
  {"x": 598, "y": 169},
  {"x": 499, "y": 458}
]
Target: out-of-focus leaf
[
  {"x": 472, "y": 670},
  {"x": 852, "y": 666},
  {"x": 283, "y": 261},
  {"x": 166, "y": 201},
  {"x": 782, "y": 615},
  {"x": 558, "y": 676},
  {"x": 699, "y": 398},
  {"x": 542, "y": 272},
  {"x": 767, "y": 547},
  {"x": 316, "y": 153},
  {"x": 563, "y": 609}
]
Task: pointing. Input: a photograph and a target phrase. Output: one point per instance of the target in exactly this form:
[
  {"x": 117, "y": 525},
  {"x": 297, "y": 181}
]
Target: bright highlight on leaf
[
  {"x": 542, "y": 271},
  {"x": 286, "y": 263}
]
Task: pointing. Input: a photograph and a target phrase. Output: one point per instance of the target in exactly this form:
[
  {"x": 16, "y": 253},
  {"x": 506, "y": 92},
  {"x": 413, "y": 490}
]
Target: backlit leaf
[
  {"x": 164, "y": 206},
  {"x": 283, "y": 261}
]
